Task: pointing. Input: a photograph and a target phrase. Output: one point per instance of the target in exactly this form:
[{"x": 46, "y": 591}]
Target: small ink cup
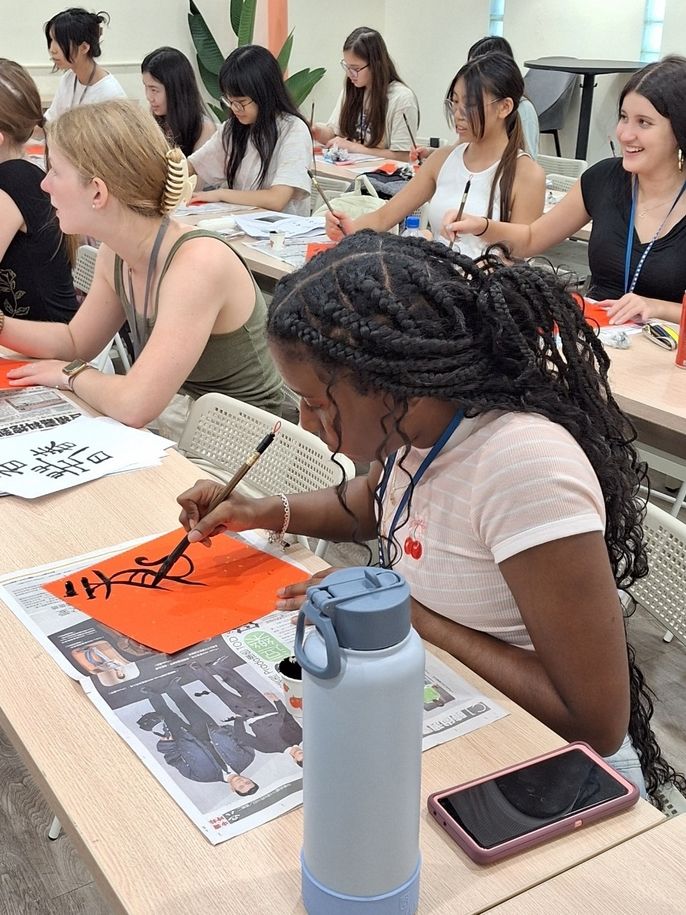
[
  {"x": 277, "y": 240},
  {"x": 291, "y": 680}
]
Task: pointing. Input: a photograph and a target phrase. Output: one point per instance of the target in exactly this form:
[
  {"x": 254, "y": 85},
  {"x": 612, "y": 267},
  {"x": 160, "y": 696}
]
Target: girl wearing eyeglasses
[
  {"x": 487, "y": 169},
  {"x": 368, "y": 117},
  {"x": 262, "y": 152}
]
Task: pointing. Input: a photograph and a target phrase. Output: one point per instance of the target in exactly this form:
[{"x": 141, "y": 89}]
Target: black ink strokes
[{"x": 143, "y": 575}]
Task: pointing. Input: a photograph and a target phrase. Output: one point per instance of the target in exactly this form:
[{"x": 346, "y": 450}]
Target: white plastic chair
[
  {"x": 670, "y": 465},
  {"x": 560, "y": 182},
  {"x": 663, "y": 591},
  {"x": 221, "y": 431},
  {"x": 556, "y": 165},
  {"x": 83, "y": 272},
  {"x": 332, "y": 187}
]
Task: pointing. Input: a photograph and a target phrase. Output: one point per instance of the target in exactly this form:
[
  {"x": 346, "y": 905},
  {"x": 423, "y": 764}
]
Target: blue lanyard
[
  {"x": 414, "y": 482},
  {"x": 630, "y": 238}
]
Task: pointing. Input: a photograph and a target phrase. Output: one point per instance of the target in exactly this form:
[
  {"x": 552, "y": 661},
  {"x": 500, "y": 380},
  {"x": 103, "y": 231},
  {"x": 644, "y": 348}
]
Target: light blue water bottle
[{"x": 363, "y": 683}]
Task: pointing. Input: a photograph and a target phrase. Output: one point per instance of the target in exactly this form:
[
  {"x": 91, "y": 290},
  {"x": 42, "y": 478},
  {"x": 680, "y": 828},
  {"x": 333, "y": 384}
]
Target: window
[
  {"x": 653, "y": 22},
  {"x": 497, "y": 14}
]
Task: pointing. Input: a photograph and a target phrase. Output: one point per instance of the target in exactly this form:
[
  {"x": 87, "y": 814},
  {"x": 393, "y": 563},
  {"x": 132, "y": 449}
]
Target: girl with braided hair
[
  {"x": 488, "y": 164},
  {"x": 504, "y": 485},
  {"x": 197, "y": 319}
]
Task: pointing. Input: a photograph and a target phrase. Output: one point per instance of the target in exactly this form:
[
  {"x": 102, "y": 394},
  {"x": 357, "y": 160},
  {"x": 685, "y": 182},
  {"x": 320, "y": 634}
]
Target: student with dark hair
[
  {"x": 368, "y": 117},
  {"x": 503, "y": 180},
  {"x": 481, "y": 396},
  {"x": 263, "y": 150},
  {"x": 73, "y": 38},
  {"x": 527, "y": 113},
  {"x": 637, "y": 201},
  {"x": 35, "y": 276},
  {"x": 174, "y": 98}
]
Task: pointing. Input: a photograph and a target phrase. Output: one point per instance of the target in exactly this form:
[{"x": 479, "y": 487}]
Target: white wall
[
  {"x": 428, "y": 41},
  {"x": 606, "y": 29}
]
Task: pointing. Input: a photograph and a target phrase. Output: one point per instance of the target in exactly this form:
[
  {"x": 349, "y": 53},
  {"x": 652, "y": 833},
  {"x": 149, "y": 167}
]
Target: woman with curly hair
[{"x": 504, "y": 485}]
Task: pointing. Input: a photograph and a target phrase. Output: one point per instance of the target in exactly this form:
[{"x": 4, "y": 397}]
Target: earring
[
  {"x": 680, "y": 160},
  {"x": 93, "y": 205}
]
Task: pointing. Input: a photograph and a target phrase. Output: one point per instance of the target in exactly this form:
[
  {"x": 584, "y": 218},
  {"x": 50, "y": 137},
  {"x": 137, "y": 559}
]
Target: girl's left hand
[
  {"x": 347, "y": 145},
  {"x": 47, "y": 372},
  {"x": 630, "y": 307},
  {"x": 207, "y": 196}
]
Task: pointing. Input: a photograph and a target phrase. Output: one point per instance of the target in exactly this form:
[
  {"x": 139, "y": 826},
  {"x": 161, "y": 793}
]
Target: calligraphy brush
[
  {"x": 221, "y": 496},
  {"x": 412, "y": 139},
  {"x": 318, "y": 188},
  {"x": 460, "y": 211}
]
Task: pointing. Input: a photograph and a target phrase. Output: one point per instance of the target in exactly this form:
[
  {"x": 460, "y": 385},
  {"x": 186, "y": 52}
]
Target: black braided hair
[{"x": 411, "y": 318}]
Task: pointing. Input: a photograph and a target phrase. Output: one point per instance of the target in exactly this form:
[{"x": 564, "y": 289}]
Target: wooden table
[
  {"x": 652, "y": 390},
  {"x": 644, "y": 874},
  {"x": 144, "y": 852},
  {"x": 589, "y": 69}
]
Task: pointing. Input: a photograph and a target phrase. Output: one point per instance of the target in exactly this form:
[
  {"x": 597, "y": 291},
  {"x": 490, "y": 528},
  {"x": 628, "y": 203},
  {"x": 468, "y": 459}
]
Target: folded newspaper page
[
  {"x": 209, "y": 722},
  {"x": 33, "y": 409}
]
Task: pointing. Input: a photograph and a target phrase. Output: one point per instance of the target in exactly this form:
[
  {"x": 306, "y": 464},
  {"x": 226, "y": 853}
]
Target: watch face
[{"x": 72, "y": 367}]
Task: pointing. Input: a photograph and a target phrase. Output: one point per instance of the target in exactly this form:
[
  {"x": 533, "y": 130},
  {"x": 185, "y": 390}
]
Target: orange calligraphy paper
[
  {"x": 207, "y": 592},
  {"x": 5, "y": 366},
  {"x": 594, "y": 314}
]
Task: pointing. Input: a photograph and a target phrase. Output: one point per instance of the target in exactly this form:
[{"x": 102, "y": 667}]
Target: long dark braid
[{"x": 414, "y": 319}]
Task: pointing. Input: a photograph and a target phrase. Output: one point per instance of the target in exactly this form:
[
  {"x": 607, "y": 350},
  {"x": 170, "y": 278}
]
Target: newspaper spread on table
[
  {"x": 32, "y": 409},
  {"x": 208, "y": 722}
]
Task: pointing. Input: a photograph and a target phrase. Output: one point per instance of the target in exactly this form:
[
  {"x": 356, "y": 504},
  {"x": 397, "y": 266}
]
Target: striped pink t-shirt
[{"x": 505, "y": 482}]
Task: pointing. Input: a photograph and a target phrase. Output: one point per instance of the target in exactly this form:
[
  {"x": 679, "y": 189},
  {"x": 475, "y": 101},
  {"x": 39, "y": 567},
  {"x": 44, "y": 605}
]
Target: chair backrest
[
  {"x": 663, "y": 591},
  {"x": 551, "y": 93},
  {"x": 556, "y": 165},
  {"x": 222, "y": 431},
  {"x": 332, "y": 187},
  {"x": 560, "y": 182},
  {"x": 84, "y": 268}
]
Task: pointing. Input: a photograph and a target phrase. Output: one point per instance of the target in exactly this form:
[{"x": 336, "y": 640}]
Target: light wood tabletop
[
  {"x": 145, "y": 854},
  {"x": 648, "y": 384},
  {"x": 643, "y": 874}
]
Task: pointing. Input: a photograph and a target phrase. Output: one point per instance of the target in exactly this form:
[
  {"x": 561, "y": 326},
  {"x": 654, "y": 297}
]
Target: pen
[
  {"x": 312, "y": 116},
  {"x": 221, "y": 496},
  {"x": 315, "y": 181},
  {"x": 412, "y": 139},
  {"x": 612, "y": 146},
  {"x": 463, "y": 201}
]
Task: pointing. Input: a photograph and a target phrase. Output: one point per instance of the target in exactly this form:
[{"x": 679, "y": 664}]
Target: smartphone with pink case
[{"x": 521, "y": 806}]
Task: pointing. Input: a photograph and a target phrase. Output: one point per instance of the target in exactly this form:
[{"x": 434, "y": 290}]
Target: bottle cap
[
  {"x": 361, "y": 608},
  {"x": 412, "y": 222}
]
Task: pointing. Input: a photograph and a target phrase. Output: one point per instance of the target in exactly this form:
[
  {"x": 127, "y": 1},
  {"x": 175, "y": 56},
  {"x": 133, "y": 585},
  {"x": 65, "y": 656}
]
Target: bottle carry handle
[{"x": 324, "y": 626}]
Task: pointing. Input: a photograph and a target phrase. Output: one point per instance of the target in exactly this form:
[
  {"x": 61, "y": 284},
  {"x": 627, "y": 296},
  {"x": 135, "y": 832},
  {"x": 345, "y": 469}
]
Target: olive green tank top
[{"x": 237, "y": 363}]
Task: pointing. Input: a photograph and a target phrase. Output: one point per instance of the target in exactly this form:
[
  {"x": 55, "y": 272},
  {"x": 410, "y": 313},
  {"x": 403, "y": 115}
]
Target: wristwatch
[{"x": 72, "y": 369}]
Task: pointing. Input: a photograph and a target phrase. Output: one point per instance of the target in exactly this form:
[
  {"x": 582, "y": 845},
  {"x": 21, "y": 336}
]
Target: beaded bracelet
[
  {"x": 280, "y": 536},
  {"x": 485, "y": 228}
]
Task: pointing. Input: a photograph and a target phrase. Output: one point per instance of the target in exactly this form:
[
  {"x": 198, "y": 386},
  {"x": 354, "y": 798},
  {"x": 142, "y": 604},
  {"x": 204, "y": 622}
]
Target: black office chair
[{"x": 551, "y": 93}]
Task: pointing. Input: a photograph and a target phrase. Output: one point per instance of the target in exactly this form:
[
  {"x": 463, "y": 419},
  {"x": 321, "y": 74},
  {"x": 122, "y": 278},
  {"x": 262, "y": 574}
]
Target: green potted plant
[{"x": 210, "y": 57}]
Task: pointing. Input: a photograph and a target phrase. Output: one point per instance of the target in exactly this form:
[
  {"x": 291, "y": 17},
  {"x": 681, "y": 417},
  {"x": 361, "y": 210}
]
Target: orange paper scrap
[
  {"x": 207, "y": 592},
  {"x": 594, "y": 314},
  {"x": 5, "y": 366}
]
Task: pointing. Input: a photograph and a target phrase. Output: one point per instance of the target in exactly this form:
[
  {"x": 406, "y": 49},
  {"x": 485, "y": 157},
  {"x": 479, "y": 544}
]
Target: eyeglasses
[
  {"x": 451, "y": 106},
  {"x": 237, "y": 107},
  {"x": 352, "y": 71}
]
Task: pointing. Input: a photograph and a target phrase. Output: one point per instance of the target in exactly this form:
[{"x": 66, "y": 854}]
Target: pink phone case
[{"x": 565, "y": 825}]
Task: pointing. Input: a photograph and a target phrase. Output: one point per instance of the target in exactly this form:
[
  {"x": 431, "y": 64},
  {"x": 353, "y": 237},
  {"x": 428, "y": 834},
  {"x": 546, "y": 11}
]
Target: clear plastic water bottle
[
  {"x": 363, "y": 683},
  {"x": 412, "y": 227}
]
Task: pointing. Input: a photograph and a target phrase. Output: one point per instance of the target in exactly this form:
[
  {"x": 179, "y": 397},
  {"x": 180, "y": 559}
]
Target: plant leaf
[
  {"x": 285, "y": 53},
  {"x": 210, "y": 80},
  {"x": 219, "y": 112},
  {"x": 206, "y": 47},
  {"x": 247, "y": 25},
  {"x": 235, "y": 11},
  {"x": 301, "y": 83}
]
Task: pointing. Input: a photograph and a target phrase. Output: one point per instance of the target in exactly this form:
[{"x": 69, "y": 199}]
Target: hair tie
[{"x": 179, "y": 186}]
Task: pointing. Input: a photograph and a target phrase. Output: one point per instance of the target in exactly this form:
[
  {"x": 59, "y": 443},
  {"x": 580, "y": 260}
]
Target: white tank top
[{"x": 450, "y": 186}]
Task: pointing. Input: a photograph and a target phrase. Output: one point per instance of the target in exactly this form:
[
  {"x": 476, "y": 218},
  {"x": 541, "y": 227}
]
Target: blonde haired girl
[{"x": 196, "y": 317}]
